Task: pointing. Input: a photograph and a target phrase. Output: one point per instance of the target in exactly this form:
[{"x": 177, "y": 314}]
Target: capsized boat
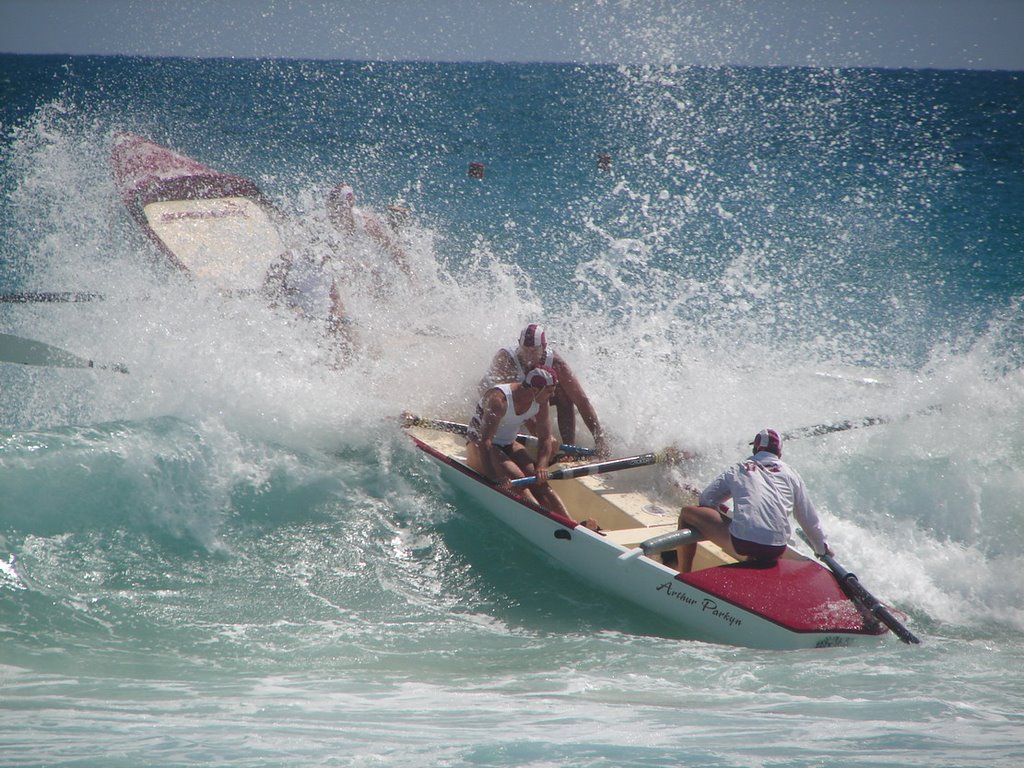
[
  {"x": 213, "y": 225},
  {"x": 796, "y": 603}
]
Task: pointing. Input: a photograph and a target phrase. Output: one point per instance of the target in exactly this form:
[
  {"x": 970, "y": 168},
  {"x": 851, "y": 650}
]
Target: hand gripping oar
[
  {"x": 613, "y": 465},
  {"x": 410, "y": 420},
  {"x": 16, "y": 349}
]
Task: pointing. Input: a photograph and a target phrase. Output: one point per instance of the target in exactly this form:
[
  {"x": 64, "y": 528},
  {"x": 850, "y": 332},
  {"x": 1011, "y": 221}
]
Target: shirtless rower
[
  {"x": 492, "y": 446},
  {"x": 510, "y": 363}
]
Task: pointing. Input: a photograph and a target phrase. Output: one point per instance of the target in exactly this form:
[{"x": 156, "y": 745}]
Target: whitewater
[{"x": 232, "y": 555}]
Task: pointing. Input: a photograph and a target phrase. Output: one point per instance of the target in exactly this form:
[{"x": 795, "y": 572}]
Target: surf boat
[
  {"x": 215, "y": 226},
  {"x": 793, "y": 604}
]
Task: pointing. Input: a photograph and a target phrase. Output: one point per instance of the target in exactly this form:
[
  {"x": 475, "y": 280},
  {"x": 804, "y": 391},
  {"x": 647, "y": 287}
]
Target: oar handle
[
  {"x": 670, "y": 540},
  {"x": 641, "y": 460}
]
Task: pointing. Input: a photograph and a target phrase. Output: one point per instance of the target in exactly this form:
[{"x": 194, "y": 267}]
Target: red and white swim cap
[
  {"x": 540, "y": 377},
  {"x": 768, "y": 440},
  {"x": 533, "y": 336},
  {"x": 342, "y": 193}
]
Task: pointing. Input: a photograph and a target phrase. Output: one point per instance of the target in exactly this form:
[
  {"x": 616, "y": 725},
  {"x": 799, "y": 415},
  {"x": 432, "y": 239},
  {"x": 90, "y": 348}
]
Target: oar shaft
[
  {"x": 49, "y": 297},
  {"x": 642, "y": 460},
  {"x": 816, "y": 430},
  {"x": 856, "y": 590}
]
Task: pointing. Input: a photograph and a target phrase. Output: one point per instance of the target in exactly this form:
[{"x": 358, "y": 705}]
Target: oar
[
  {"x": 16, "y": 349},
  {"x": 51, "y": 297},
  {"x": 814, "y": 430},
  {"x": 613, "y": 465},
  {"x": 862, "y": 381},
  {"x": 841, "y": 426},
  {"x": 855, "y": 590},
  {"x": 410, "y": 420}
]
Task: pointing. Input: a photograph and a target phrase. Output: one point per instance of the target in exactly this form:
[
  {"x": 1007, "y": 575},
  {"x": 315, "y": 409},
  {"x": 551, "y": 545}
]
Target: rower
[
  {"x": 353, "y": 222},
  {"x": 764, "y": 491},
  {"x": 493, "y": 447},
  {"x": 510, "y": 364}
]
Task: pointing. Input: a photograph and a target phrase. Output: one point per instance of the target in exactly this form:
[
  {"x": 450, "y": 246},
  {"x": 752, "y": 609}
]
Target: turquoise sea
[{"x": 232, "y": 556}]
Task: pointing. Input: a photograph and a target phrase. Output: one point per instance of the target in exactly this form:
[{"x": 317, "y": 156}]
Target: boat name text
[{"x": 707, "y": 605}]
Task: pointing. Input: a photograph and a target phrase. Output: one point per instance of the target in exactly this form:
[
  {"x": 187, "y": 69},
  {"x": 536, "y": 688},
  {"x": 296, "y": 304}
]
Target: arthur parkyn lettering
[
  {"x": 678, "y": 594},
  {"x": 710, "y": 605}
]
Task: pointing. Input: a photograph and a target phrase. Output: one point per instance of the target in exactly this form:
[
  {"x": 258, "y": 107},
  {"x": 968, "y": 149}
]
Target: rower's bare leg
[
  {"x": 498, "y": 458},
  {"x": 339, "y": 326},
  {"x": 684, "y": 557},
  {"x": 711, "y": 525},
  {"x": 527, "y": 494},
  {"x": 551, "y": 501}
]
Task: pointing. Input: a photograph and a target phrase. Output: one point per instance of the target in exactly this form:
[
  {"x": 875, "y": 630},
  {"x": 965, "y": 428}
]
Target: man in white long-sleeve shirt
[{"x": 764, "y": 491}]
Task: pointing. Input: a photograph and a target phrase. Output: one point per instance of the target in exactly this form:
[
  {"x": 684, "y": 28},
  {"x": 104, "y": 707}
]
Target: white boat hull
[{"x": 698, "y": 604}]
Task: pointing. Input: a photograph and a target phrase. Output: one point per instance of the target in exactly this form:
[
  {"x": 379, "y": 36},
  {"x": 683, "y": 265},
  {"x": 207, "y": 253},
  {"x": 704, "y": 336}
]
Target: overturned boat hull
[{"x": 215, "y": 226}]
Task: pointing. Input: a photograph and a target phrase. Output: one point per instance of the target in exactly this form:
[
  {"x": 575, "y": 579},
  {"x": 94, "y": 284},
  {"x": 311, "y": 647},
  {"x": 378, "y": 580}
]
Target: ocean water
[{"x": 232, "y": 556}]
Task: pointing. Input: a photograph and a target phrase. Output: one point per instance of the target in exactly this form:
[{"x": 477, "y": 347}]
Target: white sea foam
[{"x": 233, "y": 548}]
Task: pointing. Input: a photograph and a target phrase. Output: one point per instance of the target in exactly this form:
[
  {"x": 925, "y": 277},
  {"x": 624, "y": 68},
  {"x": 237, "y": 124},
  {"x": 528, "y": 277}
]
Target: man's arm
[
  {"x": 387, "y": 243},
  {"x": 542, "y": 422},
  {"x": 494, "y": 408},
  {"x": 807, "y": 516},
  {"x": 717, "y": 492},
  {"x": 574, "y": 391}
]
